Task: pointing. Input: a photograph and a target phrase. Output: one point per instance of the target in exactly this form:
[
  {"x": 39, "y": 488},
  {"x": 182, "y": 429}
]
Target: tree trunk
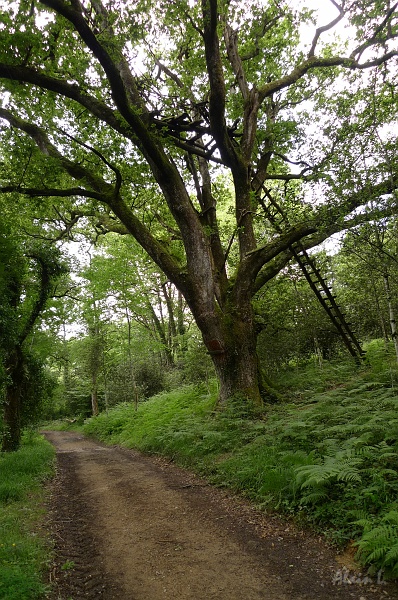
[
  {"x": 393, "y": 323},
  {"x": 94, "y": 395},
  {"x": 95, "y": 357},
  {"x": 380, "y": 315},
  {"x": 233, "y": 351},
  {"x": 131, "y": 368},
  {"x": 180, "y": 320},
  {"x": 11, "y": 416},
  {"x": 12, "y": 404},
  {"x": 159, "y": 328},
  {"x": 238, "y": 376}
]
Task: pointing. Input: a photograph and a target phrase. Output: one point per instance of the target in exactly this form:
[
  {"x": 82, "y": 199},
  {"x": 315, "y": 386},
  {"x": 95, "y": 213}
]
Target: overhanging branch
[
  {"x": 324, "y": 223},
  {"x": 49, "y": 192},
  {"x": 99, "y": 109}
]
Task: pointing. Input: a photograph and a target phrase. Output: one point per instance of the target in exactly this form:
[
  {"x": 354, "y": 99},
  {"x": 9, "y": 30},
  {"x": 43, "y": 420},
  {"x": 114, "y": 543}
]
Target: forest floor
[{"x": 127, "y": 526}]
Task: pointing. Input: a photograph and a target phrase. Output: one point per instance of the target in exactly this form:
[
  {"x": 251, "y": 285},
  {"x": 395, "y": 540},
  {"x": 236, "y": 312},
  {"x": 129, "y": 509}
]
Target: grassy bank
[
  {"x": 23, "y": 551},
  {"x": 329, "y": 456}
]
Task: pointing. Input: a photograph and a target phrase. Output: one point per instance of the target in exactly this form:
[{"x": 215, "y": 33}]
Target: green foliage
[
  {"x": 195, "y": 364},
  {"x": 150, "y": 428},
  {"x": 326, "y": 458},
  {"x": 181, "y": 92},
  {"x": 37, "y": 389},
  {"x": 378, "y": 546},
  {"x": 366, "y": 261},
  {"x": 294, "y": 326},
  {"x": 12, "y": 267},
  {"x": 23, "y": 554},
  {"x": 29, "y": 271}
]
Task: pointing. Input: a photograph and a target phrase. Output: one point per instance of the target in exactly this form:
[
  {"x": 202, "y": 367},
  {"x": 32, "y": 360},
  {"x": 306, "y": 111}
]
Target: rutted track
[
  {"x": 132, "y": 527},
  {"x": 78, "y": 570}
]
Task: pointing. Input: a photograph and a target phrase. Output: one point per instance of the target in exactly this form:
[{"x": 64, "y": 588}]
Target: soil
[{"x": 127, "y": 526}]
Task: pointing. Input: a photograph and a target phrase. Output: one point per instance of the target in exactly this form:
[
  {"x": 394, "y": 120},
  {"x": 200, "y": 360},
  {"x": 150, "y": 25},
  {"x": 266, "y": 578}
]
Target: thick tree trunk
[
  {"x": 238, "y": 376},
  {"x": 232, "y": 348}
]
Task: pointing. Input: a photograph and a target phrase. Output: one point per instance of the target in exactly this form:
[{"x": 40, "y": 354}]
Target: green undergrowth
[
  {"x": 23, "y": 551},
  {"x": 63, "y": 425},
  {"x": 328, "y": 458}
]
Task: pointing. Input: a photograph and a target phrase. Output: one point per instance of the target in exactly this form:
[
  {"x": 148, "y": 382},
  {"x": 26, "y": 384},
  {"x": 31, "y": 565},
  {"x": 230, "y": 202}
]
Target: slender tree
[
  {"x": 372, "y": 249},
  {"x": 134, "y": 290},
  {"x": 123, "y": 113}
]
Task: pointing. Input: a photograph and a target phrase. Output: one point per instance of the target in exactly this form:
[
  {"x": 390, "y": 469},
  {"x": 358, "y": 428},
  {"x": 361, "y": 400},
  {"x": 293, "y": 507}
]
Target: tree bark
[
  {"x": 12, "y": 404},
  {"x": 94, "y": 397},
  {"x": 11, "y": 416},
  {"x": 166, "y": 355},
  {"x": 380, "y": 315},
  {"x": 131, "y": 368},
  {"x": 393, "y": 323},
  {"x": 232, "y": 348}
]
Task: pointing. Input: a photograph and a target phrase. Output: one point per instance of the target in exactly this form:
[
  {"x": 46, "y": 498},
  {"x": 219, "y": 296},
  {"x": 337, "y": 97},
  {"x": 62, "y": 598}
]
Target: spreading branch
[
  {"x": 119, "y": 180},
  {"x": 217, "y": 99},
  {"x": 376, "y": 37},
  {"x": 327, "y": 27},
  {"x": 231, "y": 42},
  {"x": 314, "y": 62},
  {"x": 51, "y": 192},
  {"x": 72, "y": 91},
  {"x": 104, "y": 192}
]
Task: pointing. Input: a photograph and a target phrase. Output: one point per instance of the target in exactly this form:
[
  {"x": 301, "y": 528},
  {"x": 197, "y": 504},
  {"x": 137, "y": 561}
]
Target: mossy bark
[
  {"x": 233, "y": 351},
  {"x": 12, "y": 421},
  {"x": 12, "y": 404}
]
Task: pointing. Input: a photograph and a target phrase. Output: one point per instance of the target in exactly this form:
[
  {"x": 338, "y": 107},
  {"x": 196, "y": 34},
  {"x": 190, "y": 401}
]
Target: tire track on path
[{"x": 131, "y": 527}]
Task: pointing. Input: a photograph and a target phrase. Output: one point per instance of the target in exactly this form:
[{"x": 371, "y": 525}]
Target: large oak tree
[{"x": 124, "y": 113}]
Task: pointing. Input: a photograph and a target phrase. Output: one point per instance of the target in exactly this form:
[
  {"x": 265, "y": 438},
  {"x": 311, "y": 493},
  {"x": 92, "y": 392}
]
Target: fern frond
[
  {"x": 339, "y": 468},
  {"x": 377, "y": 555},
  {"x": 364, "y": 522},
  {"x": 314, "y": 497},
  {"x": 359, "y": 515},
  {"x": 392, "y": 555},
  {"x": 348, "y": 473},
  {"x": 391, "y": 517}
]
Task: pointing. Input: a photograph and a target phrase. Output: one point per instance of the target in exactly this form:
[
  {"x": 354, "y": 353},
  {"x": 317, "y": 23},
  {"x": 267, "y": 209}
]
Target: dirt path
[{"x": 132, "y": 527}]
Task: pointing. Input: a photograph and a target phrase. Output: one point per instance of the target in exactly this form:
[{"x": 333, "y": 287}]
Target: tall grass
[
  {"x": 23, "y": 553},
  {"x": 328, "y": 457}
]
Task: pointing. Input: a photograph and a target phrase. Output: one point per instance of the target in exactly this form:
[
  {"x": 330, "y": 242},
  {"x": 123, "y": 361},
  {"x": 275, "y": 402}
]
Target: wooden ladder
[{"x": 316, "y": 281}]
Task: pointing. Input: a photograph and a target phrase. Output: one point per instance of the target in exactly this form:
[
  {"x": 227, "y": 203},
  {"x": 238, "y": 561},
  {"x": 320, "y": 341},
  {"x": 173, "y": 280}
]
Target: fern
[
  {"x": 316, "y": 496},
  {"x": 391, "y": 517},
  {"x": 378, "y": 545},
  {"x": 362, "y": 518},
  {"x": 337, "y": 468},
  {"x": 391, "y": 557},
  {"x": 333, "y": 456}
]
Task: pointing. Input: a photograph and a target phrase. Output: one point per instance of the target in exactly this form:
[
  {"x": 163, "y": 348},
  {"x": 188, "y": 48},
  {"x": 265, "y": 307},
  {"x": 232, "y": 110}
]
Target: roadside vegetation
[
  {"x": 169, "y": 239},
  {"x": 327, "y": 456},
  {"x": 24, "y": 549}
]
